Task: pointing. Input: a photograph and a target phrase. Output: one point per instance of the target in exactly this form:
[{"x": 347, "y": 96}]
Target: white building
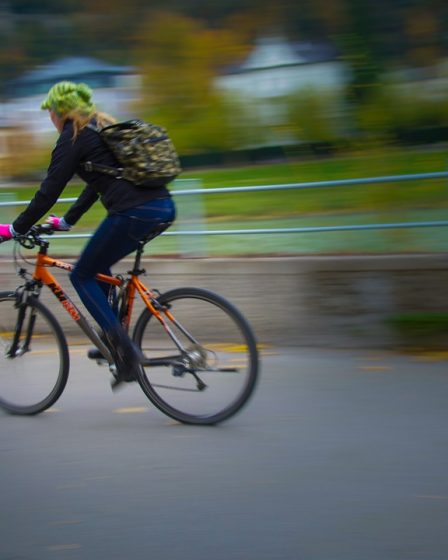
[
  {"x": 115, "y": 90},
  {"x": 275, "y": 69}
]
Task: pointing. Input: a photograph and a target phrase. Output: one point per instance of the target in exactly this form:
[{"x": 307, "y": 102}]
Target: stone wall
[{"x": 303, "y": 301}]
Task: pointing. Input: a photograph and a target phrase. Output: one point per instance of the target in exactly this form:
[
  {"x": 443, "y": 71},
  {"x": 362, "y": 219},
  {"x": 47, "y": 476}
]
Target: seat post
[
  {"x": 157, "y": 231},
  {"x": 137, "y": 261}
]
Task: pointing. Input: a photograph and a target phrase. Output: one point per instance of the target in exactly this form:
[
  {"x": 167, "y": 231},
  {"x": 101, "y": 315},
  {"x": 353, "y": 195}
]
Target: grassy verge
[
  {"x": 420, "y": 323},
  {"x": 422, "y": 330},
  {"x": 303, "y": 207}
]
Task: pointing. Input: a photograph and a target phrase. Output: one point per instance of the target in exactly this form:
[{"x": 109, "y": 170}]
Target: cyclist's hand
[
  {"x": 57, "y": 223},
  {"x": 5, "y": 232}
]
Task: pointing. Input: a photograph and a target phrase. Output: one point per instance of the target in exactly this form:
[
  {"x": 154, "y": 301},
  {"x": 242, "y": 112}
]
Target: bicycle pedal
[{"x": 95, "y": 354}]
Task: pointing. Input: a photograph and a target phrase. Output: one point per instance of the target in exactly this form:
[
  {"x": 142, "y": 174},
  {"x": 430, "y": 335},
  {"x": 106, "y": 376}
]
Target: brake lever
[{"x": 40, "y": 229}]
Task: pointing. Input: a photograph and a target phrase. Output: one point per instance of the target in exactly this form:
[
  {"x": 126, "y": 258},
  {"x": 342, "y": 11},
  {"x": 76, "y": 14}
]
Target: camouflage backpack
[{"x": 144, "y": 151}]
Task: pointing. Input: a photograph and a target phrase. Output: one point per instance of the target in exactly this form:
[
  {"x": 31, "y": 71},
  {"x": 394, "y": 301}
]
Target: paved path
[{"x": 339, "y": 456}]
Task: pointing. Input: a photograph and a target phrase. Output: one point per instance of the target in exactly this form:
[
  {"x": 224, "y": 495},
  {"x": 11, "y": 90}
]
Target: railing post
[
  {"x": 7, "y": 215},
  {"x": 190, "y": 217},
  {"x": 7, "y": 212}
]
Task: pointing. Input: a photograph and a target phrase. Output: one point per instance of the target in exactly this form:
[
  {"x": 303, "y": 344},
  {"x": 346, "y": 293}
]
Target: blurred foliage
[
  {"x": 181, "y": 47},
  {"x": 422, "y": 330},
  {"x": 371, "y": 35},
  {"x": 180, "y": 58},
  {"x": 387, "y": 114},
  {"x": 316, "y": 117},
  {"x": 420, "y": 323},
  {"x": 390, "y": 114},
  {"x": 26, "y": 157}
]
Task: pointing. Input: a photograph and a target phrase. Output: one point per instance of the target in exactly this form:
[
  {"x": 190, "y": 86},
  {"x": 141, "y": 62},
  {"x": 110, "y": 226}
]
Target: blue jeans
[{"x": 117, "y": 236}]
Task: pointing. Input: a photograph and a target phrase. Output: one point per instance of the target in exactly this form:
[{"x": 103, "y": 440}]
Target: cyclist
[{"x": 133, "y": 212}]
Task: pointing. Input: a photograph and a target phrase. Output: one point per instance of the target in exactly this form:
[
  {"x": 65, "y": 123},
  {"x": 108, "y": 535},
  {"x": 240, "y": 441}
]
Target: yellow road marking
[
  {"x": 229, "y": 347},
  {"x": 432, "y": 356},
  {"x": 33, "y": 352},
  {"x": 78, "y": 350},
  {"x": 131, "y": 410},
  {"x": 375, "y": 368}
]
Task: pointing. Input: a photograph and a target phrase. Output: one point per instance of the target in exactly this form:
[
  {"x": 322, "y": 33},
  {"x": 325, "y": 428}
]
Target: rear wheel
[
  {"x": 35, "y": 364},
  {"x": 213, "y": 378}
]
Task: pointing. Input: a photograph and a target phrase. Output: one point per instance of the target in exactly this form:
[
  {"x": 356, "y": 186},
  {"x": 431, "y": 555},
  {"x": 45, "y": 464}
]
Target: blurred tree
[
  {"x": 392, "y": 113},
  {"x": 180, "y": 58},
  {"x": 43, "y": 6},
  {"x": 389, "y": 32},
  {"x": 423, "y": 31},
  {"x": 12, "y": 54},
  {"x": 333, "y": 16},
  {"x": 181, "y": 51},
  {"x": 107, "y": 27},
  {"x": 358, "y": 46},
  {"x": 315, "y": 117}
]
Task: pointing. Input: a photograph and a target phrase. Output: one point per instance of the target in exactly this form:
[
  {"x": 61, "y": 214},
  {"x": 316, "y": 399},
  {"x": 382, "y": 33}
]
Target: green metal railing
[{"x": 288, "y": 186}]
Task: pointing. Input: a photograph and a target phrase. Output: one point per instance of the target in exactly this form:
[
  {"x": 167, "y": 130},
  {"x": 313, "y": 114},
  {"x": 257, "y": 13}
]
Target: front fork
[{"x": 17, "y": 347}]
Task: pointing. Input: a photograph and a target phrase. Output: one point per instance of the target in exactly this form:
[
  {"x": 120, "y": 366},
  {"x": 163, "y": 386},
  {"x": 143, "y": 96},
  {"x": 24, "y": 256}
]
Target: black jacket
[{"x": 67, "y": 159}]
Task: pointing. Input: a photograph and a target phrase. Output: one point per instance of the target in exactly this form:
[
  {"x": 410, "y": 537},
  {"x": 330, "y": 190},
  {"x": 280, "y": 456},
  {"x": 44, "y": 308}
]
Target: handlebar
[{"x": 33, "y": 237}]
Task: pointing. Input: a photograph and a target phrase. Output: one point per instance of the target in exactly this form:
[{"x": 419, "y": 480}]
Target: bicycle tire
[
  {"x": 230, "y": 368},
  {"x": 32, "y": 381}
]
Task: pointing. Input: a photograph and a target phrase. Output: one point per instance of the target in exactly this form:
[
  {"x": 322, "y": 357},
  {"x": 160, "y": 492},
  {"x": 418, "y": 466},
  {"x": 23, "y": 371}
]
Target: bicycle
[{"x": 200, "y": 354}]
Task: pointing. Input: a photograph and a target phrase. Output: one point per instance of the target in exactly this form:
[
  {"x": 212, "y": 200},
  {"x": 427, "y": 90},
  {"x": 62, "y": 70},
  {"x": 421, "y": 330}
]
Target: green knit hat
[{"x": 64, "y": 97}]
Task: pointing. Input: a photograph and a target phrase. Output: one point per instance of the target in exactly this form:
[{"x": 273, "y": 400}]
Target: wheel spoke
[
  {"x": 215, "y": 375},
  {"x": 33, "y": 378}
]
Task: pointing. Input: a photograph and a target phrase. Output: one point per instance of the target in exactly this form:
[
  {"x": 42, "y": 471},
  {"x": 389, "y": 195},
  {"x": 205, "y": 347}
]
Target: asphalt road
[{"x": 339, "y": 456}]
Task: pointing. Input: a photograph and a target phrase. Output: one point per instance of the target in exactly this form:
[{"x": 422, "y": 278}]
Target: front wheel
[
  {"x": 33, "y": 354},
  {"x": 213, "y": 375}
]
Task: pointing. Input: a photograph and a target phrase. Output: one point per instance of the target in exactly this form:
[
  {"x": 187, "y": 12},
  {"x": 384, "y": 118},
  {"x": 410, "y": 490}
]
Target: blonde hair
[{"x": 81, "y": 119}]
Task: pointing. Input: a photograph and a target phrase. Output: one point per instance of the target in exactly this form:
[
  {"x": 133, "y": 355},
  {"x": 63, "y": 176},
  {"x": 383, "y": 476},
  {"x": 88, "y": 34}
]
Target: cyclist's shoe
[
  {"x": 126, "y": 355},
  {"x": 95, "y": 354}
]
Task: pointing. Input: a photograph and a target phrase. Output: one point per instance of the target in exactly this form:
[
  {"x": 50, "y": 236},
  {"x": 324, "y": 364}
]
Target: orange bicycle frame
[{"x": 43, "y": 275}]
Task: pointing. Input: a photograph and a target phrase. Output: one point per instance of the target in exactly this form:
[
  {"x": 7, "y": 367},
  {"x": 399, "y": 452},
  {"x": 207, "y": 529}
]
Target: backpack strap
[
  {"x": 116, "y": 172},
  {"x": 90, "y": 166}
]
